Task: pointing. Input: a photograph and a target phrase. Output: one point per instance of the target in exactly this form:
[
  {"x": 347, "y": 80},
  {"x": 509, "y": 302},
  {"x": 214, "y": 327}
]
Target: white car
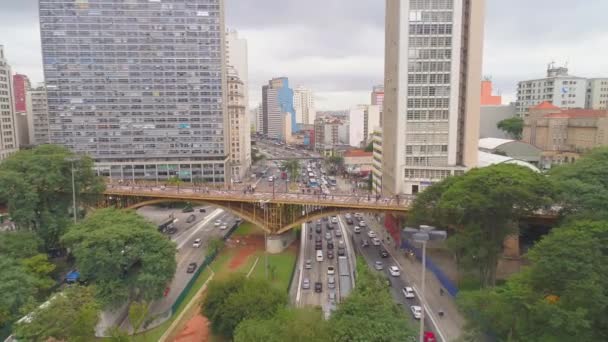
[
  {"x": 270, "y": 179},
  {"x": 308, "y": 264},
  {"x": 394, "y": 271},
  {"x": 217, "y": 223},
  {"x": 334, "y": 219},
  {"x": 416, "y": 311},
  {"x": 362, "y": 223},
  {"x": 348, "y": 216},
  {"x": 357, "y": 230},
  {"x": 408, "y": 292},
  {"x": 223, "y": 226},
  {"x": 378, "y": 266},
  {"x": 376, "y": 242},
  {"x": 331, "y": 270},
  {"x": 371, "y": 234},
  {"x": 358, "y": 215},
  {"x": 196, "y": 243}
]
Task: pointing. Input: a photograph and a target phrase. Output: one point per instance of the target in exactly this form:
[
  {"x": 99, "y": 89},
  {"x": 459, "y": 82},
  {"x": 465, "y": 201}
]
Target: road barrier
[{"x": 443, "y": 279}]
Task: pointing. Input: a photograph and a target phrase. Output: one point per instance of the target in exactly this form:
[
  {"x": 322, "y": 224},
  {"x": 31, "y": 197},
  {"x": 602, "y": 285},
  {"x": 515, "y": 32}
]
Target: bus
[
  {"x": 313, "y": 183},
  {"x": 332, "y": 181}
]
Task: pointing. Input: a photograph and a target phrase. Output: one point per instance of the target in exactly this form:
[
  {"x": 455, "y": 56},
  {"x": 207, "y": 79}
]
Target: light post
[
  {"x": 72, "y": 160},
  {"x": 423, "y": 235}
]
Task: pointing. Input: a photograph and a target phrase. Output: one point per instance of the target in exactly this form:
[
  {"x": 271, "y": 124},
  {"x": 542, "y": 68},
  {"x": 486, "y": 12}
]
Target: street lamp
[
  {"x": 424, "y": 235},
  {"x": 72, "y": 160}
]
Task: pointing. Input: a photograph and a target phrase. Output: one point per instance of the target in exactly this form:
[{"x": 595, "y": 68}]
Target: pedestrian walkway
[{"x": 452, "y": 322}]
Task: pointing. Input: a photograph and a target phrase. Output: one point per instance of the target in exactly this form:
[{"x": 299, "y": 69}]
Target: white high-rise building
[
  {"x": 8, "y": 128},
  {"x": 430, "y": 124},
  {"x": 362, "y": 121},
  {"x": 597, "y": 93},
  {"x": 237, "y": 56},
  {"x": 559, "y": 88},
  {"x": 240, "y": 137},
  {"x": 259, "y": 119},
  {"x": 304, "y": 105},
  {"x": 38, "y": 111}
]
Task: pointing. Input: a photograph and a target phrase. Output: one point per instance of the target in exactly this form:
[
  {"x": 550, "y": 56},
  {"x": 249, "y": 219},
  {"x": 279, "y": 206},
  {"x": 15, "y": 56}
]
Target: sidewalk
[{"x": 452, "y": 323}]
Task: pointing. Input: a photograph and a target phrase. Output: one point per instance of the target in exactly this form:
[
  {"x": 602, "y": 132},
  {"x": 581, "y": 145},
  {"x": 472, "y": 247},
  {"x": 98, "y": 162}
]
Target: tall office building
[
  {"x": 38, "y": 113},
  {"x": 23, "y": 121},
  {"x": 430, "y": 122},
  {"x": 258, "y": 113},
  {"x": 378, "y": 96},
  {"x": 237, "y": 56},
  {"x": 138, "y": 85},
  {"x": 8, "y": 125},
  {"x": 597, "y": 93},
  {"x": 363, "y": 120},
  {"x": 240, "y": 135},
  {"x": 304, "y": 105},
  {"x": 277, "y": 99}
]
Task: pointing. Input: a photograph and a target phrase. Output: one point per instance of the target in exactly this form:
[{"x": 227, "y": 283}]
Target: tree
[
  {"x": 512, "y": 126},
  {"x": 19, "y": 245},
  {"x": 138, "y": 313},
  {"x": 231, "y": 301},
  {"x": 485, "y": 205},
  {"x": 562, "y": 295},
  {"x": 293, "y": 167},
  {"x": 18, "y": 288},
  {"x": 70, "y": 315},
  {"x": 123, "y": 254},
  {"x": 295, "y": 325},
  {"x": 583, "y": 186},
  {"x": 36, "y": 186},
  {"x": 41, "y": 269},
  {"x": 369, "y": 312}
]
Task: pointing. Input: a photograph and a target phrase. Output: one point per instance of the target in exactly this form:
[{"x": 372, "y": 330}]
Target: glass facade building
[{"x": 138, "y": 85}]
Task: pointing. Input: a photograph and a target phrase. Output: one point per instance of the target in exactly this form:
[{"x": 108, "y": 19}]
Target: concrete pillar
[
  {"x": 511, "y": 247},
  {"x": 278, "y": 243}
]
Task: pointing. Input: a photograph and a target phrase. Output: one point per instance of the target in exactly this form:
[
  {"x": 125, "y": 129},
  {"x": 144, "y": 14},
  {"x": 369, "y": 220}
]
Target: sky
[{"x": 336, "y": 47}]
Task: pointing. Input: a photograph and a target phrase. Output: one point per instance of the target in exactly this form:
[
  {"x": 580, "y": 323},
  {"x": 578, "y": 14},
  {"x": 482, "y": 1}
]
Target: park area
[{"x": 244, "y": 252}]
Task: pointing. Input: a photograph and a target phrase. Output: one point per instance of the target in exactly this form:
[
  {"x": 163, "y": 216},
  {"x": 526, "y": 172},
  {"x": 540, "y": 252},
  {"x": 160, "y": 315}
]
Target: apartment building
[
  {"x": 38, "y": 112},
  {"x": 362, "y": 121},
  {"x": 8, "y": 121},
  {"x": 304, "y": 105},
  {"x": 597, "y": 93},
  {"x": 138, "y": 85},
  {"x": 330, "y": 133},
  {"x": 240, "y": 136},
  {"x": 430, "y": 121}
]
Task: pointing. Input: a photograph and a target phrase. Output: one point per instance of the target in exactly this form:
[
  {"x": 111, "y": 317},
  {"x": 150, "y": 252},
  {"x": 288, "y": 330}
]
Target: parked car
[
  {"x": 318, "y": 287},
  {"x": 196, "y": 243},
  {"x": 394, "y": 271},
  {"x": 416, "y": 311},
  {"x": 305, "y": 284},
  {"x": 191, "y": 267},
  {"x": 408, "y": 292}
]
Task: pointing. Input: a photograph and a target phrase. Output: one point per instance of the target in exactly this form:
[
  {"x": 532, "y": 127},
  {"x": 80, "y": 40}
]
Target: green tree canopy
[
  {"x": 294, "y": 325},
  {"x": 293, "y": 167},
  {"x": 18, "y": 289},
  {"x": 484, "y": 204},
  {"x": 583, "y": 186},
  {"x": 37, "y": 188},
  {"x": 19, "y": 245},
  {"x": 70, "y": 315},
  {"x": 369, "y": 312},
  {"x": 512, "y": 126},
  {"x": 231, "y": 301},
  {"x": 123, "y": 254},
  {"x": 561, "y": 296}
]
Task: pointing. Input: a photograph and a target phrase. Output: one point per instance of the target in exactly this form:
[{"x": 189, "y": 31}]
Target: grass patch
[
  {"x": 247, "y": 228},
  {"x": 283, "y": 265}
]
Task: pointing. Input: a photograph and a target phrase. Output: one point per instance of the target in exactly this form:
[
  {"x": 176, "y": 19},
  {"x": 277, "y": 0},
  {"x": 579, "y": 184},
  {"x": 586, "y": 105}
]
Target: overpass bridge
[{"x": 275, "y": 212}]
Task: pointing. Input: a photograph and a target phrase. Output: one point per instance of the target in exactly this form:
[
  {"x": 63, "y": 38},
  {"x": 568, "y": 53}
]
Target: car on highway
[
  {"x": 331, "y": 282},
  {"x": 318, "y": 287},
  {"x": 408, "y": 292},
  {"x": 271, "y": 179},
  {"x": 394, "y": 271},
  {"x": 202, "y": 210},
  {"x": 318, "y": 229},
  {"x": 326, "y": 219},
  {"x": 357, "y": 230},
  {"x": 330, "y": 244},
  {"x": 191, "y": 267},
  {"x": 378, "y": 265},
  {"x": 224, "y": 226},
  {"x": 331, "y": 270},
  {"x": 376, "y": 242},
  {"x": 349, "y": 221},
  {"x": 383, "y": 253},
  {"x": 334, "y": 219},
  {"x": 308, "y": 264},
  {"x": 332, "y": 297},
  {"x": 330, "y": 254},
  {"x": 328, "y": 236},
  {"x": 319, "y": 255},
  {"x": 305, "y": 284},
  {"x": 191, "y": 218},
  {"x": 341, "y": 251},
  {"x": 187, "y": 209},
  {"x": 416, "y": 311},
  {"x": 364, "y": 243},
  {"x": 348, "y": 215},
  {"x": 338, "y": 233},
  {"x": 197, "y": 243},
  {"x": 362, "y": 223},
  {"x": 371, "y": 234},
  {"x": 217, "y": 223}
]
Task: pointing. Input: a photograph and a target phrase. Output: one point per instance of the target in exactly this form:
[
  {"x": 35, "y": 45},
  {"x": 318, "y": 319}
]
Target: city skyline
[{"x": 341, "y": 67}]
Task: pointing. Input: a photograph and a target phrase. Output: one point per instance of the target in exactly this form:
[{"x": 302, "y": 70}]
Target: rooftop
[
  {"x": 485, "y": 159},
  {"x": 546, "y": 105},
  {"x": 358, "y": 153},
  {"x": 493, "y": 143},
  {"x": 578, "y": 113}
]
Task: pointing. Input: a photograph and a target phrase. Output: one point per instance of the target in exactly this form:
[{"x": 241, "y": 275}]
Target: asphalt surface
[{"x": 371, "y": 254}]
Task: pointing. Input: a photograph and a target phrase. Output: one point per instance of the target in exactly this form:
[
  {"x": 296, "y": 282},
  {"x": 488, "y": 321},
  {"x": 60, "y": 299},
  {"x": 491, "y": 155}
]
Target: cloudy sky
[{"x": 336, "y": 47}]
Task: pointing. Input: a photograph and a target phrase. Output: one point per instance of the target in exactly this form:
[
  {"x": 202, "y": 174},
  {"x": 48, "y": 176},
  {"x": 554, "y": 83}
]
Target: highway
[{"x": 371, "y": 254}]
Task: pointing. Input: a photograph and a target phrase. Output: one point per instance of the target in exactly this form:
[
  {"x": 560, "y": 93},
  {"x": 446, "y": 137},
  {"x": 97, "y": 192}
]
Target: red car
[{"x": 429, "y": 336}]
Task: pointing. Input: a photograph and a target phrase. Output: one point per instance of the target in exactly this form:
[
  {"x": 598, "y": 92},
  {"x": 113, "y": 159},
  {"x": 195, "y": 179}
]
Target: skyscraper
[
  {"x": 363, "y": 120},
  {"x": 432, "y": 91},
  {"x": 38, "y": 113},
  {"x": 277, "y": 99},
  {"x": 23, "y": 119},
  {"x": 304, "y": 105},
  {"x": 138, "y": 85},
  {"x": 240, "y": 134},
  {"x": 8, "y": 129}
]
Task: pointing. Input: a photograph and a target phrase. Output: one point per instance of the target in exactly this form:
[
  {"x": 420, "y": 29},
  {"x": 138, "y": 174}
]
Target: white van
[{"x": 320, "y": 256}]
